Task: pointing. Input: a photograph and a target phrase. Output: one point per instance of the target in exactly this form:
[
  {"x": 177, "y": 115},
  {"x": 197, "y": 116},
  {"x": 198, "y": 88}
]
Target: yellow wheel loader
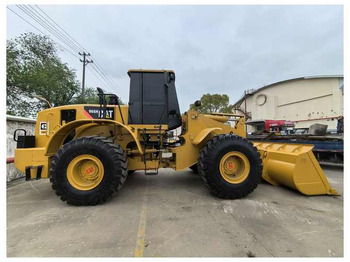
[{"x": 88, "y": 151}]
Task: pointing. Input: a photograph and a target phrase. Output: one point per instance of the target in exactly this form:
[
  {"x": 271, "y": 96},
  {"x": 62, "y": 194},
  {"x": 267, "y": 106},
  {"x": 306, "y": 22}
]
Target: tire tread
[
  {"x": 119, "y": 174},
  {"x": 205, "y": 160}
]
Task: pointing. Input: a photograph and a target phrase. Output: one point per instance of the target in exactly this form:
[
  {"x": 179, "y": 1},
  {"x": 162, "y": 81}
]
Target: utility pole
[{"x": 85, "y": 62}]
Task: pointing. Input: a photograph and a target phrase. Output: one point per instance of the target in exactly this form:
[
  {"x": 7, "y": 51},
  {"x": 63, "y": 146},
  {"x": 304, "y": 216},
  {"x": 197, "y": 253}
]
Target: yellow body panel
[
  {"x": 194, "y": 123},
  {"x": 203, "y": 134},
  {"x": 32, "y": 157},
  {"x": 294, "y": 166}
]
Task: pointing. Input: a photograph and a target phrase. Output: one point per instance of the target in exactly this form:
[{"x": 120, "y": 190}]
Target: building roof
[{"x": 250, "y": 92}]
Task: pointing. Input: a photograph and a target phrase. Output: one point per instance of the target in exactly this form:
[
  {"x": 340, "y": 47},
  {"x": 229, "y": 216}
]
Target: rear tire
[
  {"x": 230, "y": 166},
  {"x": 107, "y": 161}
]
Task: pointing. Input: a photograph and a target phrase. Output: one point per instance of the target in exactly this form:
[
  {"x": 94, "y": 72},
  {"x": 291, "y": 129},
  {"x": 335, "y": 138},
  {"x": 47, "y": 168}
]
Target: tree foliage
[
  {"x": 214, "y": 103},
  {"x": 34, "y": 68},
  {"x": 90, "y": 97}
]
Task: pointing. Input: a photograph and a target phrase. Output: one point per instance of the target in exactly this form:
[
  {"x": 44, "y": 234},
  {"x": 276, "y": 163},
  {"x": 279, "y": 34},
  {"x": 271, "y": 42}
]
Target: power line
[
  {"x": 94, "y": 73},
  {"x": 54, "y": 28},
  {"x": 34, "y": 17},
  {"x": 54, "y": 35},
  {"x": 107, "y": 84},
  {"x": 50, "y": 29},
  {"x": 61, "y": 28},
  {"x": 98, "y": 76},
  {"x": 102, "y": 74},
  {"x": 28, "y": 12},
  {"x": 40, "y": 31},
  {"x": 65, "y": 38},
  {"x": 101, "y": 69},
  {"x": 98, "y": 68}
]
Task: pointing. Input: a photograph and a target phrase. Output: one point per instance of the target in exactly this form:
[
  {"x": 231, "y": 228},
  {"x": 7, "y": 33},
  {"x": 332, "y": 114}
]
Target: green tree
[
  {"x": 90, "y": 97},
  {"x": 34, "y": 68},
  {"x": 214, "y": 103}
]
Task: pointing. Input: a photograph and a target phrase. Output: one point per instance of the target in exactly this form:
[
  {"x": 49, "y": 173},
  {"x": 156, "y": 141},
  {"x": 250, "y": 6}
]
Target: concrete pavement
[{"x": 173, "y": 214}]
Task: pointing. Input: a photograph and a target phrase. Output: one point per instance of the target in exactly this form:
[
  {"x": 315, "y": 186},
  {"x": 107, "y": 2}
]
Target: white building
[{"x": 304, "y": 100}]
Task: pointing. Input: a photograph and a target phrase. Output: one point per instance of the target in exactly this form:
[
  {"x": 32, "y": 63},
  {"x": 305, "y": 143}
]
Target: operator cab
[{"x": 153, "y": 99}]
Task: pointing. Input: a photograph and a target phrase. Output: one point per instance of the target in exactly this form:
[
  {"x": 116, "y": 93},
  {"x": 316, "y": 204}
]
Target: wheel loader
[{"x": 87, "y": 151}]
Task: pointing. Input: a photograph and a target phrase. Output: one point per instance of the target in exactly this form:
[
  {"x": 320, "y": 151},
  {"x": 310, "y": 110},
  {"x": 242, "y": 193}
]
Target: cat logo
[
  {"x": 93, "y": 112},
  {"x": 43, "y": 128}
]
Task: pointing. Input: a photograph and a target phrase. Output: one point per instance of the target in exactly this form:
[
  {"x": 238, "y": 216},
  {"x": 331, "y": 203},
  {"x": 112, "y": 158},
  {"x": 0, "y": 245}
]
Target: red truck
[
  {"x": 278, "y": 125},
  {"x": 269, "y": 126}
]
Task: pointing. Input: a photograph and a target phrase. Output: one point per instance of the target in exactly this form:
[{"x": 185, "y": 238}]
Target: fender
[
  {"x": 58, "y": 137},
  {"x": 203, "y": 134}
]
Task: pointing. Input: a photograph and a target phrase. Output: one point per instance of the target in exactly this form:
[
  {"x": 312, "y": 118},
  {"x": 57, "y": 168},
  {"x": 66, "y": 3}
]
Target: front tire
[
  {"x": 88, "y": 170},
  {"x": 230, "y": 166}
]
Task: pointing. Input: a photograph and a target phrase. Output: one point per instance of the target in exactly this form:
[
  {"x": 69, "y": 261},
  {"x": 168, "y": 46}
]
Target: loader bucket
[{"x": 294, "y": 166}]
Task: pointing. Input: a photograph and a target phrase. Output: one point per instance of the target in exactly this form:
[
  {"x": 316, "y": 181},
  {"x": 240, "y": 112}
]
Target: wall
[
  {"x": 13, "y": 123},
  {"x": 305, "y": 101}
]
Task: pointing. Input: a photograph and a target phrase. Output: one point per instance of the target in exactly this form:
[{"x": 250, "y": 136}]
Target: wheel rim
[
  {"x": 234, "y": 167},
  {"x": 85, "y": 172}
]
